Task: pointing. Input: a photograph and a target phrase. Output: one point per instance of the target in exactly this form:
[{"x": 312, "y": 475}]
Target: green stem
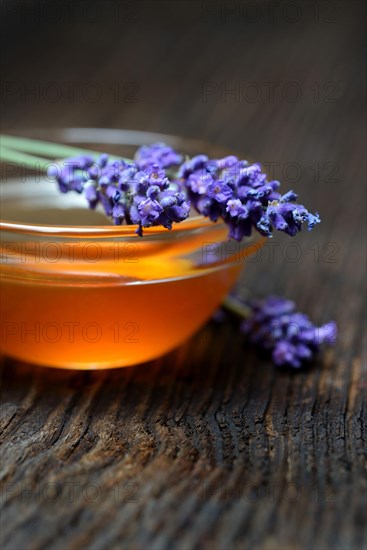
[
  {"x": 30, "y": 161},
  {"x": 232, "y": 305},
  {"x": 48, "y": 149}
]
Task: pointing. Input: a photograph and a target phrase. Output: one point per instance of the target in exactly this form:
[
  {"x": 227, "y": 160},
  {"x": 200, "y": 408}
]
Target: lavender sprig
[
  {"x": 239, "y": 193},
  {"x": 274, "y": 324},
  {"x": 143, "y": 192},
  {"x": 140, "y": 194}
]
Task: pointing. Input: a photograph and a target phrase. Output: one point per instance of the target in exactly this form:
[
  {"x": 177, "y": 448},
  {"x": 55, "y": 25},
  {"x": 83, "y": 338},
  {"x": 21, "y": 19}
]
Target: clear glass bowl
[{"x": 78, "y": 292}]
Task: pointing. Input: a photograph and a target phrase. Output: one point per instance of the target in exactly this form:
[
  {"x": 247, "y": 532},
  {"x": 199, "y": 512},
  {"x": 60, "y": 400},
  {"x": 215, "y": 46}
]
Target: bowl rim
[
  {"x": 191, "y": 223},
  {"x": 114, "y": 136}
]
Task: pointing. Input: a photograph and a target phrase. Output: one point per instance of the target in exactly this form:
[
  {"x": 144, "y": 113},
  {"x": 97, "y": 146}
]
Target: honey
[
  {"x": 89, "y": 303},
  {"x": 111, "y": 324}
]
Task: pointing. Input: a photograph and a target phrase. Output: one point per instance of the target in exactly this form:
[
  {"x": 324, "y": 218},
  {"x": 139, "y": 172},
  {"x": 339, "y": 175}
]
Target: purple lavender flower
[
  {"x": 159, "y": 153},
  {"x": 292, "y": 338},
  {"x": 72, "y": 174},
  {"x": 127, "y": 192},
  {"x": 192, "y": 165},
  {"x": 220, "y": 191},
  {"x": 239, "y": 193},
  {"x": 91, "y": 194},
  {"x": 236, "y": 208},
  {"x": 144, "y": 193}
]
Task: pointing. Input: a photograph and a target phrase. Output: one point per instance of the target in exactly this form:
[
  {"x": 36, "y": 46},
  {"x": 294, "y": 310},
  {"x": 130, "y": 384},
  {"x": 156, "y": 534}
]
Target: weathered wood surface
[{"x": 210, "y": 447}]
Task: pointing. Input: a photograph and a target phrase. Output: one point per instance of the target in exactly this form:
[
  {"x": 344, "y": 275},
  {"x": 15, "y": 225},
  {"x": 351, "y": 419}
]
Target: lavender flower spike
[
  {"x": 159, "y": 186},
  {"x": 159, "y": 154},
  {"x": 292, "y": 338},
  {"x": 239, "y": 194},
  {"x": 126, "y": 191}
]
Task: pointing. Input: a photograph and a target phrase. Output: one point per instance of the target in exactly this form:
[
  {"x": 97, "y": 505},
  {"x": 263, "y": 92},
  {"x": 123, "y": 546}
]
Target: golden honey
[{"x": 98, "y": 303}]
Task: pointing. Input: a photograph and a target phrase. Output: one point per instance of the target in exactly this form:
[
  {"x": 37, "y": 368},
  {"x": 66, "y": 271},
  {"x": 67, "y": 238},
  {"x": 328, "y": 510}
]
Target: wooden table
[{"x": 211, "y": 446}]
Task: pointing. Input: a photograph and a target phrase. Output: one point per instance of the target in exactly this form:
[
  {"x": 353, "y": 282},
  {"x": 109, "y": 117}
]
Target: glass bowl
[{"x": 78, "y": 292}]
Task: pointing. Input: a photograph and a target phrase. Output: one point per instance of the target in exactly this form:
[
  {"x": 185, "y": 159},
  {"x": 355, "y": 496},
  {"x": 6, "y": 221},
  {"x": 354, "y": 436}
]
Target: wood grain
[{"x": 209, "y": 447}]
